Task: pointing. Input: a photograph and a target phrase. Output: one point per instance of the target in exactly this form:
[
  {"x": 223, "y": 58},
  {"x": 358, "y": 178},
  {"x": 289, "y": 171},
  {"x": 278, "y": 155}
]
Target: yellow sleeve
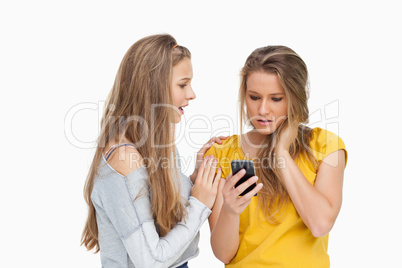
[
  {"x": 325, "y": 142},
  {"x": 221, "y": 153},
  {"x": 211, "y": 151}
]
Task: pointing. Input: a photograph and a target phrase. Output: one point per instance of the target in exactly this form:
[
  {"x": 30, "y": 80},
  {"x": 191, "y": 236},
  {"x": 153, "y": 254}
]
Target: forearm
[
  {"x": 213, "y": 218},
  {"x": 225, "y": 237},
  {"x": 314, "y": 208},
  {"x": 146, "y": 248}
]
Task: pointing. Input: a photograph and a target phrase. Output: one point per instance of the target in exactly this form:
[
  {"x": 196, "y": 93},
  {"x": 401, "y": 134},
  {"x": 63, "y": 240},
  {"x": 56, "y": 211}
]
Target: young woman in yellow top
[{"x": 299, "y": 172}]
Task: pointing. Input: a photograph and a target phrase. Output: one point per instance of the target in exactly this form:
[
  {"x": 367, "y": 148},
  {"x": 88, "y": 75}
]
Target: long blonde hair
[
  {"x": 293, "y": 77},
  {"x": 138, "y": 105}
]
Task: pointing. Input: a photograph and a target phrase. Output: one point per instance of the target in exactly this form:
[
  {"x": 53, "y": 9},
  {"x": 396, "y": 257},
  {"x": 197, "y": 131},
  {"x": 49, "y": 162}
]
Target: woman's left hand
[
  {"x": 285, "y": 140},
  {"x": 202, "y": 151}
]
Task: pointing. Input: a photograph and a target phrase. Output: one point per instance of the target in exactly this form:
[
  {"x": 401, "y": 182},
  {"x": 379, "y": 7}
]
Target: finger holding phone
[{"x": 236, "y": 193}]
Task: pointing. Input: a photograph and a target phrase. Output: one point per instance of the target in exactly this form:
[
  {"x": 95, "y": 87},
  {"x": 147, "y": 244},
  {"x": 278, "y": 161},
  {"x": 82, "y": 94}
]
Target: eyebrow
[
  {"x": 251, "y": 91},
  {"x": 185, "y": 78}
]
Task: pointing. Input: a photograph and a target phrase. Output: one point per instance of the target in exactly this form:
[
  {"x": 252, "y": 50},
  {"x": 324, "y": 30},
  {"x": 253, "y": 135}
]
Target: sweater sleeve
[{"x": 126, "y": 203}]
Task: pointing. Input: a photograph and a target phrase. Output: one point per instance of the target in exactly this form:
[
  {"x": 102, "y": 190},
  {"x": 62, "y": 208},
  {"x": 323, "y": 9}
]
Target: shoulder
[
  {"x": 125, "y": 160},
  {"x": 324, "y": 142},
  {"x": 119, "y": 177},
  {"x": 322, "y": 139},
  {"x": 228, "y": 147},
  {"x": 230, "y": 143}
]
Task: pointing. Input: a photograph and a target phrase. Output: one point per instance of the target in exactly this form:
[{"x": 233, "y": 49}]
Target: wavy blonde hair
[
  {"x": 140, "y": 99},
  {"x": 293, "y": 77}
]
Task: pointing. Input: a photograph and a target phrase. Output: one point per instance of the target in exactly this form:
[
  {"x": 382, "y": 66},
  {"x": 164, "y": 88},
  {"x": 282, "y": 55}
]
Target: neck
[
  {"x": 254, "y": 138},
  {"x": 251, "y": 143}
]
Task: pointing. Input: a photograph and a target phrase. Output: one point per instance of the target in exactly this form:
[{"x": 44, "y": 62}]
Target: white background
[{"x": 56, "y": 55}]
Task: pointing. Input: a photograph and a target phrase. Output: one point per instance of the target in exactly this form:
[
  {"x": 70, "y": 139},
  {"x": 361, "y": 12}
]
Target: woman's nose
[
  {"x": 190, "y": 94},
  {"x": 264, "y": 108}
]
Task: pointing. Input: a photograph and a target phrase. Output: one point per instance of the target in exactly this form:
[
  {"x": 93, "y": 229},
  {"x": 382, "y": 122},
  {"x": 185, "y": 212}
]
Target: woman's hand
[
  {"x": 285, "y": 140},
  {"x": 232, "y": 202},
  {"x": 206, "y": 183},
  {"x": 201, "y": 153}
]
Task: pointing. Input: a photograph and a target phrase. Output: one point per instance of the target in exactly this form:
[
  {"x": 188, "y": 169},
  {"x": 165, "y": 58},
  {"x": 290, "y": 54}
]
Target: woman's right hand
[
  {"x": 232, "y": 202},
  {"x": 206, "y": 184}
]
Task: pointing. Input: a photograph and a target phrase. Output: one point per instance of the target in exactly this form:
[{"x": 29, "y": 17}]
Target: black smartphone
[{"x": 248, "y": 165}]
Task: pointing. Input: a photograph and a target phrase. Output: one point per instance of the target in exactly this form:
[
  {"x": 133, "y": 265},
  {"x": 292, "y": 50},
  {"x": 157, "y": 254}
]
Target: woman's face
[
  {"x": 266, "y": 102},
  {"x": 182, "y": 91}
]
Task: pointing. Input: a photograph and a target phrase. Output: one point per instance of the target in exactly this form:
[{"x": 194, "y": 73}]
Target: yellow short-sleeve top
[{"x": 289, "y": 243}]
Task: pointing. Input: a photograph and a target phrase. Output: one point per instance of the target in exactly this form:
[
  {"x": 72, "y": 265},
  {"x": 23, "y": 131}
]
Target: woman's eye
[
  {"x": 182, "y": 86},
  {"x": 254, "y": 97},
  {"x": 277, "y": 99}
]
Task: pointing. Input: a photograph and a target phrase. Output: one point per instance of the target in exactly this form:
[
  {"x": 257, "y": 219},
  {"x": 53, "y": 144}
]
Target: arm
[
  {"x": 318, "y": 205},
  {"x": 226, "y": 216},
  {"x": 147, "y": 249},
  {"x": 130, "y": 213},
  {"x": 216, "y": 209}
]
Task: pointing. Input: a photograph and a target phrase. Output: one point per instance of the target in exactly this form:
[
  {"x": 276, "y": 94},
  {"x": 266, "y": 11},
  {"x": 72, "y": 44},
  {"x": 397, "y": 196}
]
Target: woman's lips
[
  {"x": 264, "y": 122},
  {"x": 181, "y": 110}
]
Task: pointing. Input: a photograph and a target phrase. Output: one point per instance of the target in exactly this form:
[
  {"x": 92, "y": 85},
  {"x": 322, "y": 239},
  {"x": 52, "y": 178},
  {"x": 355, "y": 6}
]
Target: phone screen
[{"x": 248, "y": 165}]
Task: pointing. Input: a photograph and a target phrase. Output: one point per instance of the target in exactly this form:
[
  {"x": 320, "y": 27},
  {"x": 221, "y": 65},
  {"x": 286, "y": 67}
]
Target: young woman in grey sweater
[{"x": 143, "y": 211}]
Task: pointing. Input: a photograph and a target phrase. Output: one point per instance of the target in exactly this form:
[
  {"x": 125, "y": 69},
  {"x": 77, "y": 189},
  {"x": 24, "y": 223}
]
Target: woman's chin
[
  {"x": 177, "y": 118},
  {"x": 264, "y": 131}
]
